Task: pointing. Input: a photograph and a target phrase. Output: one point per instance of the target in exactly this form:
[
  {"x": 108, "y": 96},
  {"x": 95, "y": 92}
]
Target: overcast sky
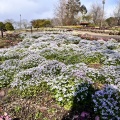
[{"x": 34, "y": 9}]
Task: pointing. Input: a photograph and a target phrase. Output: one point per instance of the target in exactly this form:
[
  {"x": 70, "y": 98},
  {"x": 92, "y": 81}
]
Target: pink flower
[
  {"x": 97, "y": 118},
  {"x": 5, "y": 117},
  {"x": 84, "y": 114}
]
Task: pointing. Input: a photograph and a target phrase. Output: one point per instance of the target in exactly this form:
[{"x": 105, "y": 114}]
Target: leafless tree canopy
[
  {"x": 25, "y": 23},
  {"x": 60, "y": 12},
  {"x": 97, "y": 13},
  {"x": 117, "y": 12},
  {"x": 67, "y": 10}
]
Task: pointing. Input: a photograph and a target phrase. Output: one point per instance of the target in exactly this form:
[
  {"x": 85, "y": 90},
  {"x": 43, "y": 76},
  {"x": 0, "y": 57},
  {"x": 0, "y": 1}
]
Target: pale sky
[{"x": 38, "y": 9}]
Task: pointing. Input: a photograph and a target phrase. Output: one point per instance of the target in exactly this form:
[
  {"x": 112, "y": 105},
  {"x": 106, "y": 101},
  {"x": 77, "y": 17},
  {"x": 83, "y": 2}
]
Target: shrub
[{"x": 9, "y": 26}]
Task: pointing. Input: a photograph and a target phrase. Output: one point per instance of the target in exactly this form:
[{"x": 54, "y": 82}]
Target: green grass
[{"x": 70, "y": 57}]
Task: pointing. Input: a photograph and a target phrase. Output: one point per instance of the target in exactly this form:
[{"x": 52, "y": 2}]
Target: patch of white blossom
[{"x": 24, "y": 65}]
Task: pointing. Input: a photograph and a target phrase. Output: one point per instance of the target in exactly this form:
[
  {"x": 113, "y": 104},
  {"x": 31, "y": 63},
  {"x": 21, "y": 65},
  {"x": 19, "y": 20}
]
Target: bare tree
[
  {"x": 117, "y": 12},
  {"x": 60, "y": 12},
  {"x": 97, "y": 14},
  {"x": 9, "y": 20},
  {"x": 67, "y": 10},
  {"x": 25, "y": 23}
]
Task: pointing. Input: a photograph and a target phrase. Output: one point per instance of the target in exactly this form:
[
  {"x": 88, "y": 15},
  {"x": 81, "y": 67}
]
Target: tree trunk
[{"x": 1, "y": 33}]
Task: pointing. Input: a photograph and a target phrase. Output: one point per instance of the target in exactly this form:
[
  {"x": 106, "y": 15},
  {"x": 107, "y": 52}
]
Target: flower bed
[
  {"x": 9, "y": 40},
  {"x": 63, "y": 62}
]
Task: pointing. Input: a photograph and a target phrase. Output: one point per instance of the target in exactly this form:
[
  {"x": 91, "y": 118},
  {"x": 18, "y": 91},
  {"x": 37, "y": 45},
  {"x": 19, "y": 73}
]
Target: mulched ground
[
  {"x": 10, "y": 40},
  {"x": 94, "y": 36},
  {"x": 43, "y": 107},
  {"x": 116, "y": 37}
]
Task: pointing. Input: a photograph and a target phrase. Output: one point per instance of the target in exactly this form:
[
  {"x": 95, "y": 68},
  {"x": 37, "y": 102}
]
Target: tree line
[
  {"x": 6, "y": 26},
  {"x": 41, "y": 23},
  {"x": 72, "y": 12},
  {"x": 10, "y": 24},
  {"x": 69, "y": 12}
]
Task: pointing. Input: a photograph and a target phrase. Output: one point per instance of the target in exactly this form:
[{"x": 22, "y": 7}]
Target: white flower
[{"x": 60, "y": 99}]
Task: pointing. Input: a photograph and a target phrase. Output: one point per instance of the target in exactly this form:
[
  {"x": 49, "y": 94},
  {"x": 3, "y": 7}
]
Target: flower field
[{"x": 77, "y": 72}]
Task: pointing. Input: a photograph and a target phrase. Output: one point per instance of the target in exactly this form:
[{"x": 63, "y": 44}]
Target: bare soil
[{"x": 99, "y": 35}]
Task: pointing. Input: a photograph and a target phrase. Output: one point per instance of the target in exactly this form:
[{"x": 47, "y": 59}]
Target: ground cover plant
[{"x": 55, "y": 75}]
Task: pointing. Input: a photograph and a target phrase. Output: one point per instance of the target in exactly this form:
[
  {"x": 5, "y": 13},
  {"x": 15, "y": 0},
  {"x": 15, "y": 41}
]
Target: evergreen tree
[
  {"x": 2, "y": 25},
  {"x": 41, "y": 23},
  {"x": 9, "y": 26},
  {"x": 73, "y": 8},
  {"x": 67, "y": 10}
]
